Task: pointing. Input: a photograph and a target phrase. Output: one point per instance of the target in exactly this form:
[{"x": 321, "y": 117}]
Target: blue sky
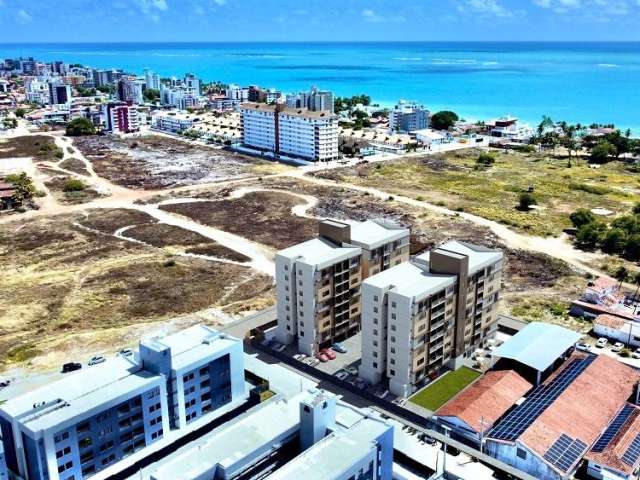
[{"x": 316, "y": 20}]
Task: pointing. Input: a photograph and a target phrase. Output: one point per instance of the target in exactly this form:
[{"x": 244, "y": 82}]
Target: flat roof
[
  {"x": 295, "y": 112},
  {"x": 479, "y": 257},
  {"x": 411, "y": 279},
  {"x": 78, "y": 393},
  {"x": 234, "y": 442},
  {"x": 320, "y": 251},
  {"x": 373, "y": 234},
  {"x": 538, "y": 345},
  {"x": 193, "y": 344},
  {"x": 333, "y": 455}
]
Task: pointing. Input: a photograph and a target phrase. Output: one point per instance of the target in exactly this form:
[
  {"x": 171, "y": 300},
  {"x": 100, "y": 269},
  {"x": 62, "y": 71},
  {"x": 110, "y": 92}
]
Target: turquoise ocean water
[{"x": 576, "y": 82}]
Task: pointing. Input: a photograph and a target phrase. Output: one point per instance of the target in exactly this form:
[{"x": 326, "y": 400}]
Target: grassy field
[
  {"x": 71, "y": 289},
  {"x": 452, "y": 180},
  {"x": 433, "y": 396}
]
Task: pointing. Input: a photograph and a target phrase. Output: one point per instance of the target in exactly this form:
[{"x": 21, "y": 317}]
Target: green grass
[{"x": 442, "y": 390}]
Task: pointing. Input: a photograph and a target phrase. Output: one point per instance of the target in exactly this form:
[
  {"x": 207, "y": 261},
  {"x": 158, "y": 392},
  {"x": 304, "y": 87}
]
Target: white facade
[
  {"x": 236, "y": 92},
  {"x": 122, "y": 119},
  {"x": 171, "y": 122},
  {"x": 179, "y": 97},
  {"x": 298, "y": 133},
  {"x": 37, "y": 92}
]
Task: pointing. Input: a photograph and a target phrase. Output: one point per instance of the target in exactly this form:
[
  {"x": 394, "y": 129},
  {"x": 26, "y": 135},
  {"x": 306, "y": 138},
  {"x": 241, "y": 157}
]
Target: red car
[
  {"x": 322, "y": 357},
  {"x": 331, "y": 355}
]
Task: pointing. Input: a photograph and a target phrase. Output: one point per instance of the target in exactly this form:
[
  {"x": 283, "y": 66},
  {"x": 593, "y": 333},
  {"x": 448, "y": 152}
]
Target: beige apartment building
[
  {"x": 318, "y": 281},
  {"x": 429, "y": 313}
]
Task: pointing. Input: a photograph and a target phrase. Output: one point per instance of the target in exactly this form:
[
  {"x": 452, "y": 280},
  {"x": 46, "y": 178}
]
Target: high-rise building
[
  {"x": 314, "y": 100},
  {"x": 130, "y": 90},
  {"x": 4, "y": 473},
  {"x": 192, "y": 83},
  {"x": 59, "y": 93},
  {"x": 318, "y": 281},
  {"x": 407, "y": 117},
  {"x": 298, "y": 133},
  {"x": 429, "y": 313},
  {"x": 236, "y": 92},
  {"x": 91, "y": 419},
  {"x": 121, "y": 117},
  {"x": 152, "y": 80}
]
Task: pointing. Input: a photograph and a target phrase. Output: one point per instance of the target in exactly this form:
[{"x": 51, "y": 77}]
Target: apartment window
[
  {"x": 393, "y": 328},
  {"x": 375, "y": 343},
  {"x": 287, "y": 298},
  {"x": 393, "y": 361},
  {"x": 375, "y": 309},
  {"x": 521, "y": 453},
  {"x": 286, "y": 277},
  {"x": 393, "y": 350},
  {"x": 375, "y": 331},
  {"x": 375, "y": 364},
  {"x": 392, "y": 373},
  {"x": 393, "y": 339},
  {"x": 375, "y": 320},
  {"x": 375, "y": 298},
  {"x": 301, "y": 303},
  {"x": 286, "y": 267},
  {"x": 393, "y": 304}
]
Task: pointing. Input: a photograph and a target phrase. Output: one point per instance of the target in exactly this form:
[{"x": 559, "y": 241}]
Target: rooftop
[
  {"x": 479, "y": 257},
  {"x": 373, "y": 234},
  {"x": 538, "y": 345},
  {"x": 483, "y": 402},
  {"x": 319, "y": 251},
  {"x": 295, "y": 112},
  {"x": 411, "y": 279}
]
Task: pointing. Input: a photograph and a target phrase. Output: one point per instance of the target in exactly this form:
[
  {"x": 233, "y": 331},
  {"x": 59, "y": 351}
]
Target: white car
[
  {"x": 636, "y": 353},
  {"x": 584, "y": 347},
  {"x": 602, "y": 342},
  {"x": 617, "y": 347}
]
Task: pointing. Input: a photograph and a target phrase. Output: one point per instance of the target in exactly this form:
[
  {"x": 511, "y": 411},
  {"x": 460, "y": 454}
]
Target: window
[
  {"x": 393, "y": 350},
  {"x": 375, "y": 364},
  {"x": 393, "y": 339},
  {"x": 393, "y": 327},
  {"x": 375, "y": 309},
  {"x": 375, "y": 298},
  {"x": 392, "y": 373},
  {"x": 521, "y": 453},
  {"x": 375, "y": 320},
  {"x": 393, "y": 305}
]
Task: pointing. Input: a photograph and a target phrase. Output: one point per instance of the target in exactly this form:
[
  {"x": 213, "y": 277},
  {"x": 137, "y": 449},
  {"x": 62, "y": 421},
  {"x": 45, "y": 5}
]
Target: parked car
[
  {"x": 427, "y": 439},
  {"x": 636, "y": 353},
  {"x": 339, "y": 347},
  {"x": 341, "y": 375},
  {"x": 330, "y": 354},
  {"x": 278, "y": 347},
  {"x": 96, "y": 360},
  {"x": 5, "y": 383},
  {"x": 71, "y": 367},
  {"x": 584, "y": 347},
  {"x": 322, "y": 357},
  {"x": 352, "y": 370},
  {"x": 312, "y": 362},
  {"x": 361, "y": 384},
  {"x": 602, "y": 342},
  {"x": 617, "y": 347},
  {"x": 126, "y": 352}
]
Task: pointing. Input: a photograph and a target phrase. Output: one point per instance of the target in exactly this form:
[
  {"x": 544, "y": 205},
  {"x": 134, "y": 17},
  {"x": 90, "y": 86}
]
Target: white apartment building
[
  {"x": 179, "y": 97},
  {"x": 172, "y": 121},
  {"x": 424, "y": 315},
  {"x": 318, "y": 281},
  {"x": 291, "y": 132},
  {"x": 236, "y": 92},
  {"x": 407, "y": 117},
  {"x": 37, "y": 92},
  {"x": 510, "y": 128}
]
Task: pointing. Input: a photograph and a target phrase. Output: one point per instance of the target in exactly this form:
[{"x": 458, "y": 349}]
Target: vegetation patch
[{"x": 435, "y": 395}]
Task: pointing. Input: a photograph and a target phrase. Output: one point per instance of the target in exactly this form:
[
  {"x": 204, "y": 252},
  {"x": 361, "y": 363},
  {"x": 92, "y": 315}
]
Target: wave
[
  {"x": 407, "y": 59},
  {"x": 608, "y": 65},
  {"x": 450, "y": 61},
  {"x": 254, "y": 56}
]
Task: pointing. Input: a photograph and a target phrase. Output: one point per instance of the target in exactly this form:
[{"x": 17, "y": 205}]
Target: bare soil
[
  {"x": 74, "y": 165},
  {"x": 40, "y": 147},
  {"x": 56, "y": 184},
  {"x": 263, "y": 217},
  {"x": 154, "y": 162}
]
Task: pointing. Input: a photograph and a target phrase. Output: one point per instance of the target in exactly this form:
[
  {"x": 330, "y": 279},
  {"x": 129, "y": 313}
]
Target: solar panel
[
  {"x": 520, "y": 418},
  {"x": 630, "y": 457},
  {"x": 613, "y": 429},
  {"x": 565, "y": 452}
]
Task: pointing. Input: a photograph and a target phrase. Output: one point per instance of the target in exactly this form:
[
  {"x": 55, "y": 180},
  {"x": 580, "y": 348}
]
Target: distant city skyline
[{"x": 315, "y": 20}]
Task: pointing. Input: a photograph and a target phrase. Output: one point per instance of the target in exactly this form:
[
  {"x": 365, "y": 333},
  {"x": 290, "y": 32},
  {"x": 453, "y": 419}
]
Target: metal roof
[{"x": 538, "y": 345}]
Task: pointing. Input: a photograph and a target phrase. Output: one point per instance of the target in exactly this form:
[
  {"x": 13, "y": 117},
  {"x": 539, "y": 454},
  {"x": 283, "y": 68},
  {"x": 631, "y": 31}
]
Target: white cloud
[
  {"x": 486, "y": 7},
  {"x": 23, "y": 16},
  {"x": 160, "y": 4},
  {"x": 371, "y": 16},
  {"x": 224, "y": 2},
  {"x": 604, "y": 8}
]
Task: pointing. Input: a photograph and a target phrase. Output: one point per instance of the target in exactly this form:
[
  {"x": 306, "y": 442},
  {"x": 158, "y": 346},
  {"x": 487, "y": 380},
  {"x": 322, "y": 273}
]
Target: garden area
[{"x": 436, "y": 394}]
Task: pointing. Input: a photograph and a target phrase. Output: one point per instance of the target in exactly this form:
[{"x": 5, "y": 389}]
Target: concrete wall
[{"x": 532, "y": 464}]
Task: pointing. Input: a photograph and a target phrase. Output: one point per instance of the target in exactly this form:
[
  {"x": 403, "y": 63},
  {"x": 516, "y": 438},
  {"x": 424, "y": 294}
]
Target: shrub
[
  {"x": 74, "y": 185},
  {"x": 581, "y": 217},
  {"x": 444, "y": 120},
  {"x": 591, "y": 234},
  {"x": 632, "y": 248},
  {"x": 526, "y": 200},
  {"x": 614, "y": 241},
  {"x": 486, "y": 159},
  {"x": 601, "y": 152}
]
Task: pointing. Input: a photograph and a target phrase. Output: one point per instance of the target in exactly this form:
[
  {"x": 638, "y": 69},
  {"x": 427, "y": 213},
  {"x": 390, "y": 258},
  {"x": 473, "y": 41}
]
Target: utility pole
[{"x": 482, "y": 425}]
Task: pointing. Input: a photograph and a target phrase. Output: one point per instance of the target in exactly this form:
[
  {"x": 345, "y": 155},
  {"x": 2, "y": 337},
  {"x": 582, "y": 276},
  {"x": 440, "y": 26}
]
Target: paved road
[{"x": 241, "y": 327}]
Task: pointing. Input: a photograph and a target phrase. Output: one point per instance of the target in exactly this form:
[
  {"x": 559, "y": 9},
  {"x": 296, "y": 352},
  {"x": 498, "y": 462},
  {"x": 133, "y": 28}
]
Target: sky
[{"x": 317, "y": 20}]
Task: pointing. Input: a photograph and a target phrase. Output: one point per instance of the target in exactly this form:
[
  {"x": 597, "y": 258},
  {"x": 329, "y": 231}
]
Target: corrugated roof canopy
[{"x": 538, "y": 345}]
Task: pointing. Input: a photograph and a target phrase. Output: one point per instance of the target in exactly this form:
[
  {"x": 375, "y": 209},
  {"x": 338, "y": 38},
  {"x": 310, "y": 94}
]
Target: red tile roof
[
  {"x": 586, "y": 406},
  {"x": 611, "y": 456},
  {"x": 605, "y": 283},
  {"x": 486, "y": 399},
  {"x": 609, "y": 321}
]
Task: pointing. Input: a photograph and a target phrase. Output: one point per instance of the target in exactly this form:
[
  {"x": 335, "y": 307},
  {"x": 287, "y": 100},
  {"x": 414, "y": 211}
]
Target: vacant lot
[
  {"x": 67, "y": 277},
  {"x": 153, "y": 162},
  {"x": 74, "y": 165},
  {"x": 454, "y": 181},
  {"x": 57, "y": 185},
  {"x": 263, "y": 217},
  {"x": 39, "y": 147},
  {"x": 445, "y": 388}
]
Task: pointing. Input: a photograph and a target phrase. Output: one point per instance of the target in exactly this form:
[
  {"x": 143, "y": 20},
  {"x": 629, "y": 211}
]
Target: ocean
[{"x": 575, "y": 82}]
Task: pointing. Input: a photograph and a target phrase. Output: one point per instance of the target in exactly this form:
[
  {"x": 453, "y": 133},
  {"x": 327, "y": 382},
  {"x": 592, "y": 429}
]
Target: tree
[
  {"x": 621, "y": 274},
  {"x": 636, "y": 208},
  {"x": 152, "y": 94},
  {"x": 581, "y": 217},
  {"x": 591, "y": 234},
  {"x": 107, "y": 88},
  {"x": 444, "y": 120},
  {"x": 601, "y": 152},
  {"x": 74, "y": 185},
  {"x": 80, "y": 126},
  {"x": 614, "y": 241},
  {"x": 20, "y": 112},
  {"x": 526, "y": 201},
  {"x": 632, "y": 249},
  {"x": 545, "y": 124}
]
